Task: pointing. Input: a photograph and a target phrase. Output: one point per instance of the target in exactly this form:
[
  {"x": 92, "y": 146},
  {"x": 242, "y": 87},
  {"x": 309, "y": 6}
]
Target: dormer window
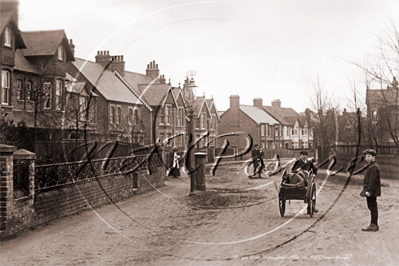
[
  {"x": 61, "y": 52},
  {"x": 7, "y": 37}
]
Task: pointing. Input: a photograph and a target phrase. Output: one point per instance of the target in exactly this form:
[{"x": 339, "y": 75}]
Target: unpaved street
[{"x": 230, "y": 224}]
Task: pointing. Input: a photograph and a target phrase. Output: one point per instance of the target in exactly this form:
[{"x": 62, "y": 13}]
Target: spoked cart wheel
[
  {"x": 312, "y": 200},
  {"x": 281, "y": 205}
]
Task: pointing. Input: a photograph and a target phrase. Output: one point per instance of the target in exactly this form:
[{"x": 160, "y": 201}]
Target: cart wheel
[
  {"x": 281, "y": 205},
  {"x": 313, "y": 200}
]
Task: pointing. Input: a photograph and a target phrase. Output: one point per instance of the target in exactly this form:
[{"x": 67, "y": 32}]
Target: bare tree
[
  {"x": 323, "y": 120},
  {"x": 382, "y": 93}
]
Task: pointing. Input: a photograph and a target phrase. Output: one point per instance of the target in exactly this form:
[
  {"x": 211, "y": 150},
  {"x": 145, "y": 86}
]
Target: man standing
[
  {"x": 371, "y": 188},
  {"x": 256, "y": 156}
]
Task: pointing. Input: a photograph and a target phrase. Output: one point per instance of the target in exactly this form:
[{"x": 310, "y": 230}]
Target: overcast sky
[{"x": 256, "y": 49}]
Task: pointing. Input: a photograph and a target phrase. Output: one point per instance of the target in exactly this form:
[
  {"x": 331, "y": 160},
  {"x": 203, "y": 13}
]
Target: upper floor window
[
  {"x": 214, "y": 122},
  {"x": 20, "y": 93},
  {"x": 202, "y": 121},
  {"x": 118, "y": 115},
  {"x": 276, "y": 131},
  {"x": 267, "y": 130},
  {"x": 130, "y": 117},
  {"x": 5, "y": 87},
  {"x": 374, "y": 115},
  {"x": 197, "y": 123},
  {"x": 262, "y": 130},
  {"x": 28, "y": 90},
  {"x": 161, "y": 115},
  {"x": 136, "y": 117},
  {"x": 7, "y": 37},
  {"x": 83, "y": 106},
  {"x": 112, "y": 115},
  {"x": 47, "y": 95},
  {"x": 60, "y": 52},
  {"x": 167, "y": 114},
  {"x": 58, "y": 94}
]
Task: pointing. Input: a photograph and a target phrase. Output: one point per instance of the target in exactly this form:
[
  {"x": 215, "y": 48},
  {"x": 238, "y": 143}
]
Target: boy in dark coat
[{"x": 371, "y": 189}]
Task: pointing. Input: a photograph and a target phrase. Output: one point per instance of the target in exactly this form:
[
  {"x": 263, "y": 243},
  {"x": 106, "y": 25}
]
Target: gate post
[
  {"x": 6, "y": 184},
  {"x": 23, "y": 154}
]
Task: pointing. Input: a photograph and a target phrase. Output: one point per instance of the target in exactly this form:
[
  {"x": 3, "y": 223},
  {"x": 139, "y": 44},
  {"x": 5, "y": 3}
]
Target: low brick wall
[{"x": 73, "y": 198}]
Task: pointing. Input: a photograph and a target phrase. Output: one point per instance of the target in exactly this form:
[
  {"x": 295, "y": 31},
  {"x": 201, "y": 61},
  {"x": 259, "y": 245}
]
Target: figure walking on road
[{"x": 371, "y": 189}]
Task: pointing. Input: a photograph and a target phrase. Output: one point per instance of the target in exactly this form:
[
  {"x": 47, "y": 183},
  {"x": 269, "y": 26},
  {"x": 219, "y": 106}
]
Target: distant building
[{"x": 272, "y": 127}]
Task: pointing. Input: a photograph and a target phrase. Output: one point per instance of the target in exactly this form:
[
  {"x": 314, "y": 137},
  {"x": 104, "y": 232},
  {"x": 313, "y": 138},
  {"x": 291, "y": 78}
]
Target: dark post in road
[{"x": 191, "y": 163}]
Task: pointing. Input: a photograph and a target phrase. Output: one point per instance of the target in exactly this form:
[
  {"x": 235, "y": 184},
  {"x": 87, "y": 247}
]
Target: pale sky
[{"x": 256, "y": 49}]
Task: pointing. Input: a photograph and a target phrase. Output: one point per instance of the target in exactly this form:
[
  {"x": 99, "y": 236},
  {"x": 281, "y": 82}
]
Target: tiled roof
[
  {"x": 154, "y": 94},
  {"x": 41, "y": 43},
  {"x": 291, "y": 119},
  {"x": 302, "y": 120},
  {"x": 280, "y": 113},
  {"x": 197, "y": 105},
  {"x": 24, "y": 65},
  {"x": 258, "y": 115},
  {"x": 135, "y": 79},
  {"x": 105, "y": 81},
  {"x": 5, "y": 19}
]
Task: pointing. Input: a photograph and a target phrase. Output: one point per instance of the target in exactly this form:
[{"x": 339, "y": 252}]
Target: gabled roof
[
  {"x": 156, "y": 94},
  {"x": 42, "y": 43},
  {"x": 199, "y": 104},
  {"x": 106, "y": 82},
  {"x": 302, "y": 120},
  {"x": 291, "y": 119},
  {"x": 22, "y": 64},
  {"x": 280, "y": 113},
  {"x": 211, "y": 103},
  {"x": 258, "y": 115},
  {"x": 8, "y": 19}
]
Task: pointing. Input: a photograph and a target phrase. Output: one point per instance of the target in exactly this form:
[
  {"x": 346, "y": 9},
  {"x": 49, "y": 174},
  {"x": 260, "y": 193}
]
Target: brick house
[
  {"x": 167, "y": 115},
  {"x": 120, "y": 114},
  {"x": 383, "y": 113},
  {"x": 248, "y": 119},
  {"x": 283, "y": 132},
  {"x": 33, "y": 73}
]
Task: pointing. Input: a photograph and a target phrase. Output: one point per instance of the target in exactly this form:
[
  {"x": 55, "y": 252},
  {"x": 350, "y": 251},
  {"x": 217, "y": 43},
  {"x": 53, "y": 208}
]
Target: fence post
[
  {"x": 23, "y": 154},
  {"x": 6, "y": 184}
]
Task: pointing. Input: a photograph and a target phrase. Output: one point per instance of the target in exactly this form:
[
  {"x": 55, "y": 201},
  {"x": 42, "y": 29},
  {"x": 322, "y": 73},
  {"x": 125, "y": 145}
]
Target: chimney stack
[
  {"x": 72, "y": 46},
  {"x": 117, "y": 64},
  {"x": 276, "y": 103},
  {"x": 235, "y": 114},
  {"x": 258, "y": 102},
  {"x": 10, "y": 6},
  {"x": 162, "y": 79},
  {"x": 234, "y": 102},
  {"x": 152, "y": 70}
]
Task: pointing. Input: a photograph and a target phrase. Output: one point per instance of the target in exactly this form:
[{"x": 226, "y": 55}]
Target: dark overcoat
[{"x": 371, "y": 181}]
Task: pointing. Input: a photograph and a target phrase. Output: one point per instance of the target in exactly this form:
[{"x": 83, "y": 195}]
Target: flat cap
[
  {"x": 303, "y": 153},
  {"x": 370, "y": 151}
]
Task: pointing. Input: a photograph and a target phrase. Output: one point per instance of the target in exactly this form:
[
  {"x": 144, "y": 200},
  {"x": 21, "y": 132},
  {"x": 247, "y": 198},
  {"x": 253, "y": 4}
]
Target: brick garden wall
[{"x": 73, "y": 198}]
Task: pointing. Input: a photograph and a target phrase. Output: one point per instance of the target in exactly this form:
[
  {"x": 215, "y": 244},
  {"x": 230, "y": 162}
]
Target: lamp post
[{"x": 190, "y": 125}]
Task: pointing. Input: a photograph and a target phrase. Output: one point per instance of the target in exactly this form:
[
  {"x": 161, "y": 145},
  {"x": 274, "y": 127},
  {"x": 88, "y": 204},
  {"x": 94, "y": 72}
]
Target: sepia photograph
[{"x": 190, "y": 132}]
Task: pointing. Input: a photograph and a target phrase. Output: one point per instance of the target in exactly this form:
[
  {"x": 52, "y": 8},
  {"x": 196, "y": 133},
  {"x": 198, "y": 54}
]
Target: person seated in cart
[{"x": 303, "y": 164}]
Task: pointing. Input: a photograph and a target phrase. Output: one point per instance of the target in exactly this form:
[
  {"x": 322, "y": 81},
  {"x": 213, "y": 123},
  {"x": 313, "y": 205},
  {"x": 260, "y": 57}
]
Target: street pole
[{"x": 191, "y": 161}]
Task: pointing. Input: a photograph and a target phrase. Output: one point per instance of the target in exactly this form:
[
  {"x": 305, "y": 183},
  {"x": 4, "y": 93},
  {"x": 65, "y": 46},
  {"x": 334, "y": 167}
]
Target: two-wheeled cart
[{"x": 299, "y": 191}]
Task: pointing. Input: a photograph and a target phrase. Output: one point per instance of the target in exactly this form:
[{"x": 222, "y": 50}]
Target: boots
[{"x": 371, "y": 228}]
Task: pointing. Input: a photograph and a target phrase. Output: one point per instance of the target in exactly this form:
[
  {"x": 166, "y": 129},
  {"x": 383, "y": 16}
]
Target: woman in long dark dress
[{"x": 175, "y": 169}]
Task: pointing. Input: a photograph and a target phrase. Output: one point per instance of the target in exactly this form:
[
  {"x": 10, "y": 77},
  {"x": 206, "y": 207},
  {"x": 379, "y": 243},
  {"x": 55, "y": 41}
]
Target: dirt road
[{"x": 231, "y": 224}]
